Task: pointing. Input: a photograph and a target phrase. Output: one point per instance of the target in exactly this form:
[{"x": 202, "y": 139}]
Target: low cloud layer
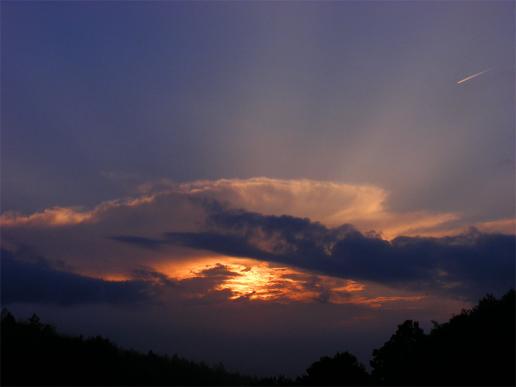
[
  {"x": 468, "y": 264},
  {"x": 319, "y": 227},
  {"x": 28, "y": 279}
]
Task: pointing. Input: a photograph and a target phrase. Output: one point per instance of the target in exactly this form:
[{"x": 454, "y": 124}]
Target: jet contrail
[{"x": 473, "y": 76}]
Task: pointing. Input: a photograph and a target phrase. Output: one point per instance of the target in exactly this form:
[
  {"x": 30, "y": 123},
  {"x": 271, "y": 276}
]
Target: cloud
[
  {"x": 468, "y": 264},
  {"x": 331, "y": 203},
  {"x": 32, "y": 279},
  {"x": 55, "y": 216},
  {"x": 139, "y": 241},
  {"x": 38, "y": 282},
  {"x": 28, "y": 279},
  {"x": 300, "y": 223}
]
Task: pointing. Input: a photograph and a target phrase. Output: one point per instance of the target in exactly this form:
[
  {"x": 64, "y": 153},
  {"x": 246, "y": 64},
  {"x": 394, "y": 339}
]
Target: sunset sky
[{"x": 257, "y": 183}]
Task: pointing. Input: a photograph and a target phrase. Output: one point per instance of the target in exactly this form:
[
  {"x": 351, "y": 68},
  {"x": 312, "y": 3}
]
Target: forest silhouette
[{"x": 475, "y": 347}]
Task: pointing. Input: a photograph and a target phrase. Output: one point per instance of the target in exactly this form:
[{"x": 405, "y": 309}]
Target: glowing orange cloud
[
  {"x": 242, "y": 278},
  {"x": 254, "y": 280},
  {"x": 167, "y": 206},
  {"x": 62, "y": 216},
  {"x": 55, "y": 216}
]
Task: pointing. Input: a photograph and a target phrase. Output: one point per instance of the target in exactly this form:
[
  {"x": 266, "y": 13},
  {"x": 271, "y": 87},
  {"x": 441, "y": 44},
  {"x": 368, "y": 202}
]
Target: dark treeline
[
  {"x": 35, "y": 354},
  {"x": 476, "y": 347}
]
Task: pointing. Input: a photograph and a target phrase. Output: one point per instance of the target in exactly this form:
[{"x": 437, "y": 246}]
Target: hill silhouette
[{"x": 475, "y": 347}]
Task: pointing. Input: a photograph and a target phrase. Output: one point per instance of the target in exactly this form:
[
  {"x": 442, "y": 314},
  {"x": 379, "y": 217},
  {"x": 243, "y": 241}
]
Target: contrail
[{"x": 473, "y": 76}]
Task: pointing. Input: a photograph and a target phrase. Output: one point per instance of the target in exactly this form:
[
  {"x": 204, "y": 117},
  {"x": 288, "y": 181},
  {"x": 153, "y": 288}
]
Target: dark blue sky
[{"x": 99, "y": 97}]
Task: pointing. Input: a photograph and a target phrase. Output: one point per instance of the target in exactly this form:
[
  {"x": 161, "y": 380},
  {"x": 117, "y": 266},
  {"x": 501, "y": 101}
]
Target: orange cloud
[
  {"x": 63, "y": 216},
  {"x": 331, "y": 203},
  {"x": 80, "y": 237},
  {"x": 55, "y": 216},
  {"x": 249, "y": 279}
]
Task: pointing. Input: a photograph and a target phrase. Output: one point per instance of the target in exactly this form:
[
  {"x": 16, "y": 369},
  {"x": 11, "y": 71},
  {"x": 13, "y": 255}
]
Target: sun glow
[
  {"x": 263, "y": 282},
  {"x": 252, "y": 282},
  {"x": 257, "y": 280},
  {"x": 249, "y": 279}
]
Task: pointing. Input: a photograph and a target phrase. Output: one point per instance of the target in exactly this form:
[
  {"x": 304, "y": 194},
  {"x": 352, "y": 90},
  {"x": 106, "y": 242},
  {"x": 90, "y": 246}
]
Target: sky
[{"x": 297, "y": 178}]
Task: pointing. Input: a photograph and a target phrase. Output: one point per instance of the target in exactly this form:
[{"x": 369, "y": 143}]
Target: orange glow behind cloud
[{"x": 254, "y": 280}]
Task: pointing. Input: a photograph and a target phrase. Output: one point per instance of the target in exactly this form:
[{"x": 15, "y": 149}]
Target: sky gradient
[{"x": 295, "y": 177}]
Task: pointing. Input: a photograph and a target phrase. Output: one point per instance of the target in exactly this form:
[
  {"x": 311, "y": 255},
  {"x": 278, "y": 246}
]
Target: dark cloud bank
[
  {"x": 466, "y": 265},
  {"x": 36, "y": 281}
]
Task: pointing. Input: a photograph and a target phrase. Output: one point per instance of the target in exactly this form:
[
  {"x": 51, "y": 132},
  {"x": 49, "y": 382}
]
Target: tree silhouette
[
  {"x": 341, "y": 370},
  {"x": 395, "y": 363},
  {"x": 34, "y": 354},
  {"x": 476, "y": 347}
]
